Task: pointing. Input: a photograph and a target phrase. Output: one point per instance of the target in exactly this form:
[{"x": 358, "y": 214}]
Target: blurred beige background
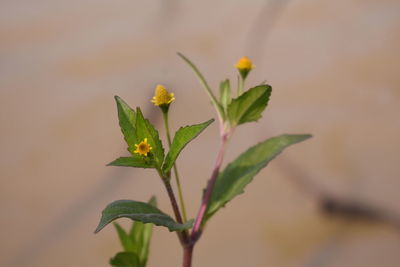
[{"x": 334, "y": 67}]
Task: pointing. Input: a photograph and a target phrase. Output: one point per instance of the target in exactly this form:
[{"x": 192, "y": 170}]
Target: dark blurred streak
[
  {"x": 73, "y": 215},
  {"x": 262, "y": 27},
  {"x": 332, "y": 205}
]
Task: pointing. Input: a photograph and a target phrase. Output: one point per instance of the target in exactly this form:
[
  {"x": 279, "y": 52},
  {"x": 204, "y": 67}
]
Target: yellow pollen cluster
[
  {"x": 244, "y": 64},
  {"x": 162, "y": 96},
  {"x": 143, "y": 148}
]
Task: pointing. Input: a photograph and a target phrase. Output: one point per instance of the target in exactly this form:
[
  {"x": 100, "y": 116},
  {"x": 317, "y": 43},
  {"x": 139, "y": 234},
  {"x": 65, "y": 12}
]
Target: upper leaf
[
  {"x": 144, "y": 129},
  {"x": 125, "y": 259},
  {"x": 225, "y": 94},
  {"x": 249, "y": 106},
  {"x": 134, "y": 161},
  {"x": 182, "y": 137},
  {"x": 232, "y": 181},
  {"x": 127, "y": 122},
  {"x": 139, "y": 211}
]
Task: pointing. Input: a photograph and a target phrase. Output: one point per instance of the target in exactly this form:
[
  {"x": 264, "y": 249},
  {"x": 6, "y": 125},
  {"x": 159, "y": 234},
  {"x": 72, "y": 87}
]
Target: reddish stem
[
  {"x": 187, "y": 256},
  {"x": 196, "y": 232}
]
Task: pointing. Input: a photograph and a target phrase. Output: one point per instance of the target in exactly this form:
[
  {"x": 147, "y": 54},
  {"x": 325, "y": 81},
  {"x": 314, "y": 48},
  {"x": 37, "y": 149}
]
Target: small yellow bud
[
  {"x": 162, "y": 96},
  {"x": 143, "y": 148},
  {"x": 244, "y": 64}
]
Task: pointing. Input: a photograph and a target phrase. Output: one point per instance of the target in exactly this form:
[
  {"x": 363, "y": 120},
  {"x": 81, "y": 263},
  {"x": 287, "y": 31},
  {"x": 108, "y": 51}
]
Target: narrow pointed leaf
[
  {"x": 144, "y": 129},
  {"x": 204, "y": 83},
  {"x": 235, "y": 177},
  {"x": 124, "y": 238},
  {"x": 134, "y": 161},
  {"x": 249, "y": 106},
  {"x": 140, "y": 234},
  {"x": 127, "y": 122},
  {"x": 225, "y": 94},
  {"x": 139, "y": 211},
  {"x": 182, "y": 137},
  {"x": 125, "y": 259}
]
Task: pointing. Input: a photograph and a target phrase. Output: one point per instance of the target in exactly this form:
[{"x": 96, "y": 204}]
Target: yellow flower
[
  {"x": 143, "y": 148},
  {"x": 244, "y": 64},
  {"x": 162, "y": 96}
]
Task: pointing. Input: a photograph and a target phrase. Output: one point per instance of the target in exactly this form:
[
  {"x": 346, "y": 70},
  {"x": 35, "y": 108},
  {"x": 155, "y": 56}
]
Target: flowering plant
[{"x": 147, "y": 151}]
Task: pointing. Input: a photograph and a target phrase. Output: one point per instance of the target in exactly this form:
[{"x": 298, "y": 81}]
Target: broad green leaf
[
  {"x": 124, "y": 238},
  {"x": 125, "y": 259},
  {"x": 139, "y": 211},
  {"x": 234, "y": 178},
  {"x": 144, "y": 129},
  {"x": 225, "y": 94},
  {"x": 182, "y": 137},
  {"x": 127, "y": 122},
  {"x": 140, "y": 234},
  {"x": 249, "y": 106},
  {"x": 134, "y": 161}
]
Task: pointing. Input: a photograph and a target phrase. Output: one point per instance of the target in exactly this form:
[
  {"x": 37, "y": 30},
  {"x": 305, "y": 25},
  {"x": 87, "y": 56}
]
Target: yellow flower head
[
  {"x": 143, "y": 148},
  {"x": 244, "y": 64},
  {"x": 162, "y": 96}
]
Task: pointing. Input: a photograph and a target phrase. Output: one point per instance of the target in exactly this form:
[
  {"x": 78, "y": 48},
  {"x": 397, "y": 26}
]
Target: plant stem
[
  {"x": 196, "y": 232},
  {"x": 178, "y": 184},
  {"x": 183, "y": 236},
  {"x": 240, "y": 85},
  {"x": 187, "y": 256}
]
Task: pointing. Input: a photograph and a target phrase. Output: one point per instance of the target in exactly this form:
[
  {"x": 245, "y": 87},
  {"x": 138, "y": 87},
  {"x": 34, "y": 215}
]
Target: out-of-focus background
[{"x": 334, "y": 67}]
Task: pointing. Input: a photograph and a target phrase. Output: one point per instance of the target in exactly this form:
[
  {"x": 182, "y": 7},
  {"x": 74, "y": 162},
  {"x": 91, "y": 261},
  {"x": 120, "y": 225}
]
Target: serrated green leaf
[
  {"x": 249, "y": 106},
  {"x": 124, "y": 238},
  {"x": 139, "y": 211},
  {"x": 232, "y": 181},
  {"x": 134, "y": 161},
  {"x": 127, "y": 122},
  {"x": 182, "y": 137},
  {"x": 125, "y": 259},
  {"x": 144, "y": 129},
  {"x": 225, "y": 94}
]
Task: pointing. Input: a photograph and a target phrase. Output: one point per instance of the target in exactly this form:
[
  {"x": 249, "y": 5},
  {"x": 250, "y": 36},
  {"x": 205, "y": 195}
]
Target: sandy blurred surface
[{"x": 334, "y": 70}]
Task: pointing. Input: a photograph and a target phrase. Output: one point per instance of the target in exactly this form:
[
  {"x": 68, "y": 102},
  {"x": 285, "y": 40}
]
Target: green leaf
[
  {"x": 144, "y": 129},
  {"x": 127, "y": 122},
  {"x": 182, "y": 137},
  {"x": 124, "y": 238},
  {"x": 249, "y": 106},
  {"x": 134, "y": 161},
  {"x": 204, "y": 83},
  {"x": 125, "y": 259},
  {"x": 139, "y": 211},
  {"x": 225, "y": 94},
  {"x": 232, "y": 181},
  {"x": 140, "y": 234}
]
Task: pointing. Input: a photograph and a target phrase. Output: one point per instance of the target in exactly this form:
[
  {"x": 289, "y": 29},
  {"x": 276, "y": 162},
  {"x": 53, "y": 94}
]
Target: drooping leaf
[
  {"x": 139, "y": 211},
  {"x": 134, "y": 161},
  {"x": 249, "y": 106},
  {"x": 182, "y": 137},
  {"x": 144, "y": 129},
  {"x": 127, "y": 122},
  {"x": 124, "y": 238},
  {"x": 225, "y": 94},
  {"x": 125, "y": 259},
  {"x": 234, "y": 178},
  {"x": 140, "y": 234}
]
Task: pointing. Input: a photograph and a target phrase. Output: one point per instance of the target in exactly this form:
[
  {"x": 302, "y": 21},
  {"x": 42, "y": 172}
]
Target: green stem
[
  {"x": 240, "y": 85},
  {"x": 178, "y": 184}
]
